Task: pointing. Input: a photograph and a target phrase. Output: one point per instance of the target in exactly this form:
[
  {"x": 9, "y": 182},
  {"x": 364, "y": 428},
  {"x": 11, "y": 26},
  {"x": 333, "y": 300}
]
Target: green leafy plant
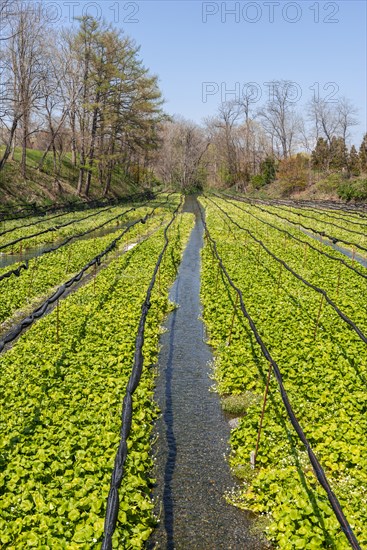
[
  {"x": 62, "y": 385},
  {"x": 323, "y": 364},
  {"x": 45, "y": 272}
]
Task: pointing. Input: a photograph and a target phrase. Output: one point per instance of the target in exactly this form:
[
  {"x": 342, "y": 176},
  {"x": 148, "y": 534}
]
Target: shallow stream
[{"x": 191, "y": 469}]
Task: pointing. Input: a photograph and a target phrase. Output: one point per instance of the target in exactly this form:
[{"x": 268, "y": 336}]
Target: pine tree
[
  {"x": 363, "y": 154},
  {"x": 268, "y": 170},
  {"x": 338, "y": 154},
  {"x": 118, "y": 109},
  {"x": 320, "y": 155},
  {"x": 354, "y": 168}
]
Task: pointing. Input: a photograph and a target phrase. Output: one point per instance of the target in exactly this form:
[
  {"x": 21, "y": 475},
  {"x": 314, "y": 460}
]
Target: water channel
[{"x": 191, "y": 469}]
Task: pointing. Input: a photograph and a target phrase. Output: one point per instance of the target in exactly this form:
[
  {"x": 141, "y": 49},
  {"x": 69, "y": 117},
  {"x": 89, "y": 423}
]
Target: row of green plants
[
  {"x": 95, "y": 218},
  {"x": 349, "y": 219},
  {"x": 331, "y": 214},
  {"x": 331, "y": 218},
  {"x": 344, "y": 286},
  {"x": 345, "y": 231},
  {"x": 45, "y": 272},
  {"x": 323, "y": 363},
  {"x": 22, "y": 219},
  {"x": 62, "y": 386}
]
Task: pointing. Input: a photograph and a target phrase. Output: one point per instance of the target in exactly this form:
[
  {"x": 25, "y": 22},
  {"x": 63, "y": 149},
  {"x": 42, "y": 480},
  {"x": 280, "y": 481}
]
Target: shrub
[
  {"x": 349, "y": 190},
  {"x": 294, "y": 172},
  {"x": 258, "y": 181},
  {"x": 268, "y": 170}
]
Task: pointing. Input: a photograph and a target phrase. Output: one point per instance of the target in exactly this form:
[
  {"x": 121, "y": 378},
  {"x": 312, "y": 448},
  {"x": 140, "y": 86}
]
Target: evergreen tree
[
  {"x": 268, "y": 170},
  {"x": 353, "y": 162},
  {"x": 338, "y": 154},
  {"x": 363, "y": 154},
  {"x": 320, "y": 155},
  {"x": 118, "y": 109}
]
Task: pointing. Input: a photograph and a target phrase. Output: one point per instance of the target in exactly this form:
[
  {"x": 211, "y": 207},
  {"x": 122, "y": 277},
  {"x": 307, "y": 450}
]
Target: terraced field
[{"x": 284, "y": 294}]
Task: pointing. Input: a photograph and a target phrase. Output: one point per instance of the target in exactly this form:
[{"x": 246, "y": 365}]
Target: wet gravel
[{"x": 191, "y": 470}]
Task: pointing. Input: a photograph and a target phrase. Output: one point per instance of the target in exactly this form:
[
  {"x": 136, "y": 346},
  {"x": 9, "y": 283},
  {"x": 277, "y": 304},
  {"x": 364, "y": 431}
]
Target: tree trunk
[
  {"x": 80, "y": 181},
  {"x": 13, "y": 146},
  {"x": 100, "y": 174},
  {"x": 51, "y": 144},
  {"x": 110, "y": 166},
  {"x": 8, "y": 147},
  {"x": 23, "y": 164},
  {"x": 108, "y": 180},
  {"x": 92, "y": 146},
  {"x": 73, "y": 138}
]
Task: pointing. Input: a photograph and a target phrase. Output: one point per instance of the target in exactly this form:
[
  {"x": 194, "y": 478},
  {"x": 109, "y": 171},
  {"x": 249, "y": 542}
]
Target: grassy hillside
[
  {"x": 333, "y": 187},
  {"x": 40, "y": 187}
]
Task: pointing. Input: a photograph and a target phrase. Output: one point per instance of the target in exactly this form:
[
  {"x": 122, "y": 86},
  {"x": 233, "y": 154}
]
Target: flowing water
[
  {"x": 342, "y": 249},
  {"x": 191, "y": 470}
]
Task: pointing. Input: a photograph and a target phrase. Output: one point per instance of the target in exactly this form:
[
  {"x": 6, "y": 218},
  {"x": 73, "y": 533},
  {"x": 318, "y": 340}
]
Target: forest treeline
[
  {"x": 248, "y": 147},
  {"x": 82, "y": 94},
  {"x": 81, "y": 91}
]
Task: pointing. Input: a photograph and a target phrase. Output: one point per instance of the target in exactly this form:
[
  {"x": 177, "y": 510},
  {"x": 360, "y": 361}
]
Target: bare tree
[
  {"x": 223, "y": 133},
  {"x": 180, "y": 159},
  {"x": 245, "y": 104},
  {"x": 346, "y": 113},
  {"x": 279, "y": 117},
  {"x": 8, "y": 8},
  {"x": 8, "y": 118},
  {"x": 72, "y": 86},
  {"x": 25, "y": 75},
  {"x": 324, "y": 118},
  {"x": 55, "y": 105}
]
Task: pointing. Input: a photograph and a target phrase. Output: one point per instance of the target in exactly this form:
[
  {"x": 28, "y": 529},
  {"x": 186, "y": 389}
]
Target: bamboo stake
[
  {"x": 279, "y": 278},
  {"x": 305, "y": 254},
  {"x": 338, "y": 284},
  {"x": 253, "y": 461},
  {"x": 318, "y": 317},
  {"x": 57, "y": 322},
  {"x": 94, "y": 279},
  {"x": 232, "y": 323}
]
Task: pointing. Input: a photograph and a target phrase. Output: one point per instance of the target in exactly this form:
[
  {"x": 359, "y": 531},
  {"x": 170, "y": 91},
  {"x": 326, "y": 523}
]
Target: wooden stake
[
  {"x": 338, "y": 284},
  {"x": 232, "y": 323},
  {"x": 57, "y": 322},
  {"x": 94, "y": 279},
  {"x": 318, "y": 317},
  {"x": 279, "y": 278},
  {"x": 262, "y": 417},
  {"x": 68, "y": 262},
  {"x": 216, "y": 280}
]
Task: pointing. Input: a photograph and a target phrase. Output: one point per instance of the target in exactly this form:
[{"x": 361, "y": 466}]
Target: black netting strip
[
  {"x": 319, "y": 472},
  {"x": 113, "y": 502}
]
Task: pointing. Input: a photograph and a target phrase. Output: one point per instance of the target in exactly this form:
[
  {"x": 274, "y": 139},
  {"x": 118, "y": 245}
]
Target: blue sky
[{"x": 189, "y": 43}]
